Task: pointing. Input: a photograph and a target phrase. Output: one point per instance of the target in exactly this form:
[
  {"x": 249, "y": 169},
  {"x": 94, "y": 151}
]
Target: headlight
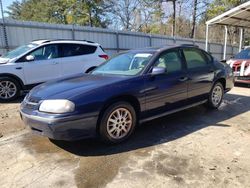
[{"x": 57, "y": 106}]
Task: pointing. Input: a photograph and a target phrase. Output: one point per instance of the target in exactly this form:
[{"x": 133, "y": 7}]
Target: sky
[{"x": 6, "y": 3}]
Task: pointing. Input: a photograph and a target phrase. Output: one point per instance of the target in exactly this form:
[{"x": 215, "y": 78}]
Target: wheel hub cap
[
  {"x": 7, "y": 89},
  {"x": 217, "y": 95},
  {"x": 119, "y": 123}
]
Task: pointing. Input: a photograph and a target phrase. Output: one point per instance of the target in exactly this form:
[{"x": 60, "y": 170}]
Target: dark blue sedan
[{"x": 131, "y": 88}]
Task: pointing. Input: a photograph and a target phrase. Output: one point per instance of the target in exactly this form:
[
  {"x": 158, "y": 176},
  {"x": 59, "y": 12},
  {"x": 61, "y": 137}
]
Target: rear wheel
[
  {"x": 9, "y": 89},
  {"x": 117, "y": 123},
  {"x": 216, "y": 96}
]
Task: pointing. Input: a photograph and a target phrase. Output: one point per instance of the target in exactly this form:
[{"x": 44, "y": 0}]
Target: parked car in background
[
  {"x": 240, "y": 64},
  {"x": 44, "y": 60},
  {"x": 135, "y": 86}
]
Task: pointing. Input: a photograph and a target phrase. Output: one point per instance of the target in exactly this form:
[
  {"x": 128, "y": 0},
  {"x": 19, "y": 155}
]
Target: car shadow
[
  {"x": 163, "y": 130},
  {"x": 18, "y": 100}
]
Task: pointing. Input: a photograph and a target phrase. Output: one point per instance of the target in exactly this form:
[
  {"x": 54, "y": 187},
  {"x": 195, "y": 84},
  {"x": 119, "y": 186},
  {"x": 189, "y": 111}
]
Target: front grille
[{"x": 237, "y": 66}]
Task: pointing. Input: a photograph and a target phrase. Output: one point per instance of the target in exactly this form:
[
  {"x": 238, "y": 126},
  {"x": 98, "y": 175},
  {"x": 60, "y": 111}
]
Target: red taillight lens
[{"x": 106, "y": 57}]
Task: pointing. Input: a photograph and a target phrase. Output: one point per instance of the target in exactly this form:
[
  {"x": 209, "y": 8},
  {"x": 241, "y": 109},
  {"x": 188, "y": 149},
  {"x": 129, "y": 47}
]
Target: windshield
[
  {"x": 19, "y": 51},
  {"x": 125, "y": 64},
  {"x": 244, "y": 54}
]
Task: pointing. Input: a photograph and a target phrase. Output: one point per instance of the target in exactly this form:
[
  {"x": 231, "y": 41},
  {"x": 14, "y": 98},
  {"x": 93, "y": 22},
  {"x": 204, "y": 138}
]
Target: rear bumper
[{"x": 66, "y": 128}]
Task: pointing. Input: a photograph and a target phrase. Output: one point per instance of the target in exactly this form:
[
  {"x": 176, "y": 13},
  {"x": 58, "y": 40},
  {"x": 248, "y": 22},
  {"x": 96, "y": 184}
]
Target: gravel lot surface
[{"x": 192, "y": 148}]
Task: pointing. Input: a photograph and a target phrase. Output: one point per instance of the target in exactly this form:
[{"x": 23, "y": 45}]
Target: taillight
[{"x": 106, "y": 57}]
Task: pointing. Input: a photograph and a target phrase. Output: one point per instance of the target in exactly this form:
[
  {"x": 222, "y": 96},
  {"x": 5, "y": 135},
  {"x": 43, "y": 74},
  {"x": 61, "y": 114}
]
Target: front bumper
[
  {"x": 242, "y": 79},
  {"x": 60, "y": 128}
]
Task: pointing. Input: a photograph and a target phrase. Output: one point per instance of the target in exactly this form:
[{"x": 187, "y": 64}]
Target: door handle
[
  {"x": 55, "y": 63},
  {"x": 183, "y": 79},
  {"x": 19, "y": 68}
]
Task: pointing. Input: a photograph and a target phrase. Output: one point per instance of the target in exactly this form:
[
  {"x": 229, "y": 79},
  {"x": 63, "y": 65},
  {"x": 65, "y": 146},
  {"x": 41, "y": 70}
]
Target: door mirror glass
[
  {"x": 158, "y": 70},
  {"x": 30, "y": 58}
]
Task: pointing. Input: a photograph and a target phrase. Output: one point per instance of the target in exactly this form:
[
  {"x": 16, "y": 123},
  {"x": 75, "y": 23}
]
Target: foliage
[
  {"x": 220, "y": 6},
  {"x": 184, "y": 18},
  {"x": 82, "y": 12}
]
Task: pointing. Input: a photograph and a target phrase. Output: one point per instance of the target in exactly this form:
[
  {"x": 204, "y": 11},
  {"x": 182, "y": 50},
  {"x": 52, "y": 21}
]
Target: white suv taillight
[{"x": 106, "y": 57}]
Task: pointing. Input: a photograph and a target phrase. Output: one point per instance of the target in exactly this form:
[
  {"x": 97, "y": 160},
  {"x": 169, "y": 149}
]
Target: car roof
[
  {"x": 47, "y": 41},
  {"x": 161, "y": 48}
]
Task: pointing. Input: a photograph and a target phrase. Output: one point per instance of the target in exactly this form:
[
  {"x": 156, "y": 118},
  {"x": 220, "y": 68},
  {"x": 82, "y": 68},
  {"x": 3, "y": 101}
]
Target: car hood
[{"x": 72, "y": 86}]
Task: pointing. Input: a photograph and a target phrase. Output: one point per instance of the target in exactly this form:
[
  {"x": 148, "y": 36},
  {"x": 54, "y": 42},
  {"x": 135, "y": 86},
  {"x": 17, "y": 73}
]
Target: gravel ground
[{"x": 192, "y": 148}]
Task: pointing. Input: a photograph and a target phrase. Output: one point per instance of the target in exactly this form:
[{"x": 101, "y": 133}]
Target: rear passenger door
[
  {"x": 200, "y": 74},
  {"x": 77, "y": 58}
]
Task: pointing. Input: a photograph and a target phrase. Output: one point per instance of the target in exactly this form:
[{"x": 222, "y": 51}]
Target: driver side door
[
  {"x": 45, "y": 65},
  {"x": 168, "y": 91}
]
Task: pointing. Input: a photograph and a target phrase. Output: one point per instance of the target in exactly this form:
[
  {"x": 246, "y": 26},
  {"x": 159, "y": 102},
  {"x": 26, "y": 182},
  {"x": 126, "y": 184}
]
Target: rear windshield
[{"x": 244, "y": 54}]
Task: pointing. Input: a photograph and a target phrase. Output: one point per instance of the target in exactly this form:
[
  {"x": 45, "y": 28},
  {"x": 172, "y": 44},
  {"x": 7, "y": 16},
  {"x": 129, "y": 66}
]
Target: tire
[
  {"x": 113, "y": 129},
  {"x": 9, "y": 89},
  {"x": 90, "y": 69},
  {"x": 215, "y": 96}
]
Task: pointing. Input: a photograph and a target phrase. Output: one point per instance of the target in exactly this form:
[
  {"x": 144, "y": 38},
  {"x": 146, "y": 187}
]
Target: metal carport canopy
[{"x": 238, "y": 17}]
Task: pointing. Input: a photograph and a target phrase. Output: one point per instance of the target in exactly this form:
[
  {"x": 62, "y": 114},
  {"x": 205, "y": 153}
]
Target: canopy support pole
[
  {"x": 241, "y": 39},
  {"x": 225, "y": 44},
  {"x": 207, "y": 29}
]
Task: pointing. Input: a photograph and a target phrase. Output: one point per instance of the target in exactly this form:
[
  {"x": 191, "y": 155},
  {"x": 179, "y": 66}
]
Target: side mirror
[
  {"x": 158, "y": 70},
  {"x": 223, "y": 61},
  {"x": 30, "y": 58}
]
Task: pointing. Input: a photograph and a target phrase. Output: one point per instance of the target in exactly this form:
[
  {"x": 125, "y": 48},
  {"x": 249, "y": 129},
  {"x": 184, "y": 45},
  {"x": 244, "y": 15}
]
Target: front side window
[
  {"x": 130, "y": 63},
  {"x": 46, "y": 52},
  {"x": 171, "y": 61},
  {"x": 194, "y": 58},
  {"x": 77, "y": 49}
]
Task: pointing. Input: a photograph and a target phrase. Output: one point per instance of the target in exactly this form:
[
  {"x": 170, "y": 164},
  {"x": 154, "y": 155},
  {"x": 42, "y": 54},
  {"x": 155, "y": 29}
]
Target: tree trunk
[{"x": 194, "y": 19}]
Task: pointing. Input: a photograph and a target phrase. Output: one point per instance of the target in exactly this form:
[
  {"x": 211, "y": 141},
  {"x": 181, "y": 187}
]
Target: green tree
[
  {"x": 81, "y": 12},
  {"x": 219, "y": 6},
  {"x": 14, "y": 11}
]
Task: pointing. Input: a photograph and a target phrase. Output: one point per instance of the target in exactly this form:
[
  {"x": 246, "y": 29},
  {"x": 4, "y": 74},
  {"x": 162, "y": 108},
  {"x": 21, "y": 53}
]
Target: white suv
[{"x": 44, "y": 60}]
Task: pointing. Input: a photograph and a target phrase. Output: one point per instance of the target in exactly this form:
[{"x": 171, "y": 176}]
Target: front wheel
[
  {"x": 216, "y": 96},
  {"x": 117, "y": 123},
  {"x": 9, "y": 89}
]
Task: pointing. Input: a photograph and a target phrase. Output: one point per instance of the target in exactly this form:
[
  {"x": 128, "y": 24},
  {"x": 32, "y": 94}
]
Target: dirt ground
[{"x": 192, "y": 148}]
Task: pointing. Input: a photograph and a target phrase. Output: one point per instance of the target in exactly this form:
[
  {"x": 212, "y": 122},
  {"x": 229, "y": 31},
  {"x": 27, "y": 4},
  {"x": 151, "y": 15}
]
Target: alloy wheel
[
  {"x": 8, "y": 89},
  {"x": 119, "y": 123},
  {"x": 217, "y": 94}
]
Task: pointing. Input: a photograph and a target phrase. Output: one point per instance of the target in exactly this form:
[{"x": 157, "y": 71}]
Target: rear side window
[
  {"x": 194, "y": 58},
  {"x": 69, "y": 50}
]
